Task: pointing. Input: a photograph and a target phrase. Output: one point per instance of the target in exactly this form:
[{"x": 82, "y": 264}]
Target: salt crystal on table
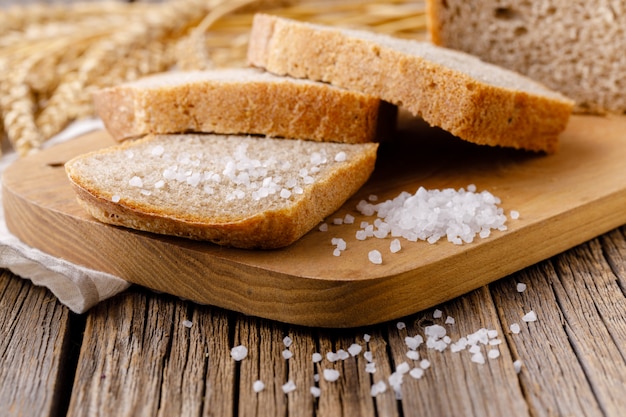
[
  {"x": 517, "y": 365},
  {"x": 354, "y": 349},
  {"x": 289, "y": 387},
  {"x": 400, "y": 325},
  {"x": 425, "y": 364},
  {"x": 331, "y": 375},
  {"x": 316, "y": 357},
  {"x": 315, "y": 392},
  {"x": 478, "y": 358},
  {"x": 493, "y": 353},
  {"x": 287, "y": 354},
  {"x": 437, "y": 314},
  {"x": 515, "y": 329},
  {"x": 413, "y": 355},
  {"x": 530, "y": 316},
  {"x": 366, "y": 337},
  {"x": 370, "y": 368},
  {"x": 521, "y": 287},
  {"x": 449, "y": 320},
  {"x": 187, "y": 324},
  {"x": 378, "y": 388},
  {"x": 239, "y": 352},
  {"x": 375, "y": 257},
  {"x": 287, "y": 341},
  {"x": 416, "y": 373},
  {"x": 395, "y": 246},
  {"x": 258, "y": 386}
]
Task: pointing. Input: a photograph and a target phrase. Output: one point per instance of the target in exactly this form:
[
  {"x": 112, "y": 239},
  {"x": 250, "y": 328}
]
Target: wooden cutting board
[{"x": 564, "y": 200}]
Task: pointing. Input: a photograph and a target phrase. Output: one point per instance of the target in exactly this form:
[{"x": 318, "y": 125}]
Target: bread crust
[
  {"x": 242, "y": 101},
  {"x": 393, "y": 69},
  {"x": 268, "y": 229}
]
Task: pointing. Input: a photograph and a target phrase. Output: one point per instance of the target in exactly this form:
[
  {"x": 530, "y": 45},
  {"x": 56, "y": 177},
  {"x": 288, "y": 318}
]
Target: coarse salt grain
[
  {"x": 413, "y": 355},
  {"x": 287, "y": 341},
  {"x": 370, "y": 368},
  {"x": 135, "y": 182},
  {"x": 315, "y": 392},
  {"x": 369, "y": 356},
  {"x": 437, "y": 314},
  {"x": 395, "y": 246},
  {"x": 514, "y": 214},
  {"x": 521, "y": 287},
  {"x": 416, "y": 373},
  {"x": 258, "y": 386},
  {"x": 401, "y": 325},
  {"x": 188, "y": 324},
  {"x": 530, "y": 316},
  {"x": 449, "y": 320},
  {"x": 425, "y": 364},
  {"x": 375, "y": 257},
  {"x": 354, "y": 349},
  {"x": 493, "y": 353},
  {"x": 316, "y": 357},
  {"x": 239, "y": 353},
  {"x": 288, "y": 387},
  {"x": 287, "y": 354},
  {"x": 366, "y": 337},
  {"x": 348, "y": 219},
  {"x": 331, "y": 375},
  {"x": 478, "y": 357},
  {"x": 337, "y": 221},
  {"x": 323, "y": 227},
  {"x": 517, "y": 365},
  {"x": 378, "y": 388},
  {"x": 115, "y": 198},
  {"x": 515, "y": 329}
]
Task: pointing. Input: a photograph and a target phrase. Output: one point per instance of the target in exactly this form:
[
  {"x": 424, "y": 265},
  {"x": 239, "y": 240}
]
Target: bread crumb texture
[
  {"x": 250, "y": 192},
  {"x": 572, "y": 46}
]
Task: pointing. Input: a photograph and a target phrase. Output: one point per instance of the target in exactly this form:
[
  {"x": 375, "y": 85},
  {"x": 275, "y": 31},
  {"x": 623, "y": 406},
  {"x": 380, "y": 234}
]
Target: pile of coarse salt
[{"x": 429, "y": 215}]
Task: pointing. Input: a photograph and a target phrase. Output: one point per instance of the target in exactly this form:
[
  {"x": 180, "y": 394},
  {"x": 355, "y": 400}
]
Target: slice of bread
[
  {"x": 242, "y": 101},
  {"x": 575, "y": 47},
  {"x": 471, "y": 99},
  {"x": 246, "y": 192}
]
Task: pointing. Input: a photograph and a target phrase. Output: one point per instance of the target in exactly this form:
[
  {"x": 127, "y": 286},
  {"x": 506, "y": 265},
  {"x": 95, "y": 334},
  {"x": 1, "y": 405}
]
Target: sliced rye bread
[
  {"x": 245, "y": 192},
  {"x": 242, "y": 101},
  {"x": 474, "y": 100},
  {"x": 572, "y": 46}
]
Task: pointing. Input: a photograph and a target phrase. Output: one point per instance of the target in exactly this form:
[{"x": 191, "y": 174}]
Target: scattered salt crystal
[
  {"x": 348, "y": 219},
  {"x": 316, "y": 392},
  {"x": 530, "y": 316},
  {"x": 339, "y": 242},
  {"x": 395, "y": 246},
  {"x": 368, "y": 356},
  {"x": 316, "y": 357},
  {"x": 521, "y": 287},
  {"x": 287, "y": 341},
  {"x": 239, "y": 352},
  {"x": 258, "y": 386},
  {"x": 354, "y": 349},
  {"x": 449, "y": 320},
  {"x": 331, "y": 375},
  {"x": 400, "y": 325},
  {"x": 416, "y": 373},
  {"x": 146, "y": 192},
  {"x": 378, "y": 388},
  {"x": 285, "y": 193},
  {"x": 514, "y": 214},
  {"x": 375, "y": 257},
  {"x": 478, "y": 357},
  {"x": 289, "y": 387},
  {"x": 316, "y": 377},
  {"x": 515, "y": 329},
  {"x": 403, "y": 368},
  {"x": 436, "y": 331},
  {"x": 370, "y": 368},
  {"x": 437, "y": 314},
  {"x": 135, "y": 182},
  {"x": 338, "y": 221},
  {"x": 340, "y": 157},
  {"x": 298, "y": 190},
  {"x": 492, "y": 334},
  {"x": 115, "y": 198},
  {"x": 188, "y": 324},
  {"x": 471, "y": 188},
  {"x": 474, "y": 349},
  {"x": 159, "y": 184},
  {"x": 425, "y": 364},
  {"x": 372, "y": 197},
  {"x": 337, "y": 252},
  {"x": 342, "y": 354},
  {"x": 495, "y": 342},
  {"x": 361, "y": 235},
  {"x": 413, "y": 355},
  {"x": 129, "y": 154},
  {"x": 493, "y": 353},
  {"x": 366, "y": 337},
  {"x": 517, "y": 365},
  {"x": 332, "y": 356},
  {"x": 323, "y": 227},
  {"x": 413, "y": 342},
  {"x": 287, "y": 354}
]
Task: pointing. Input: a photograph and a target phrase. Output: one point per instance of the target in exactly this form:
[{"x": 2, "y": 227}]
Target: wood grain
[
  {"x": 34, "y": 349},
  {"x": 564, "y": 200}
]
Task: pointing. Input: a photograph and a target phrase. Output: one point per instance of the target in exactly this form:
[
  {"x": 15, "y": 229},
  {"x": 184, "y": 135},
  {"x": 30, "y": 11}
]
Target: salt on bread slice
[
  {"x": 242, "y": 101},
  {"x": 576, "y": 48},
  {"x": 474, "y": 100},
  {"x": 245, "y": 192}
]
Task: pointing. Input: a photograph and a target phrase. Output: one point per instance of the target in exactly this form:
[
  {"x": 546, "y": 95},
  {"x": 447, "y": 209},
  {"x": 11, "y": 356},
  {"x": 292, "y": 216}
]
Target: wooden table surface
[{"x": 142, "y": 353}]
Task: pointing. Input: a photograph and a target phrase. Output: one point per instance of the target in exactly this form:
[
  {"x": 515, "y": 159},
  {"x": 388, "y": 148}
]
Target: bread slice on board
[
  {"x": 246, "y": 192},
  {"x": 572, "y": 46},
  {"x": 242, "y": 101},
  {"x": 471, "y": 99}
]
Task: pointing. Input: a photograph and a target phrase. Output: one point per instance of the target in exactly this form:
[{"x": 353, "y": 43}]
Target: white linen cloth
[{"x": 77, "y": 287}]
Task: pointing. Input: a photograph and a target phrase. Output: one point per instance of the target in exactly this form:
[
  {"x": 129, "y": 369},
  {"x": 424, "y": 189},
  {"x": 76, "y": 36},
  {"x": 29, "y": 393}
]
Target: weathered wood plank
[
  {"x": 34, "y": 349},
  {"x": 453, "y": 384},
  {"x": 138, "y": 358},
  {"x": 552, "y": 377}
]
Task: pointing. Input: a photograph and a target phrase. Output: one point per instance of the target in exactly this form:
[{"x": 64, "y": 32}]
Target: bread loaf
[
  {"x": 572, "y": 46},
  {"x": 245, "y": 192},
  {"x": 474, "y": 100},
  {"x": 242, "y": 101}
]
